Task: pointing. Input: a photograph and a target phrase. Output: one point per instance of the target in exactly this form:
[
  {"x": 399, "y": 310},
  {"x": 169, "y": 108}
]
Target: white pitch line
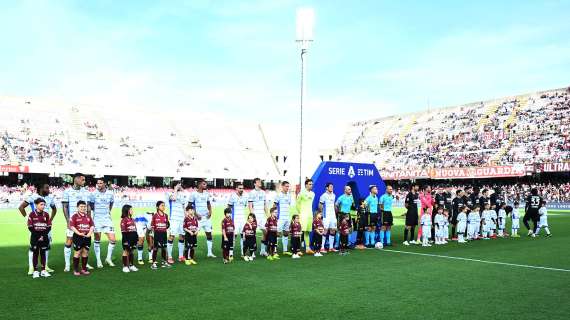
[{"x": 478, "y": 260}]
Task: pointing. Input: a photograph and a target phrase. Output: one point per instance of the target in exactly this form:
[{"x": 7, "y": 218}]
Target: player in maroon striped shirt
[
  {"x": 228, "y": 236},
  {"x": 318, "y": 231},
  {"x": 191, "y": 229},
  {"x": 296, "y": 234},
  {"x": 82, "y": 226},
  {"x": 130, "y": 238},
  {"x": 344, "y": 232},
  {"x": 250, "y": 241},
  {"x": 160, "y": 225},
  {"x": 271, "y": 234},
  {"x": 39, "y": 224}
]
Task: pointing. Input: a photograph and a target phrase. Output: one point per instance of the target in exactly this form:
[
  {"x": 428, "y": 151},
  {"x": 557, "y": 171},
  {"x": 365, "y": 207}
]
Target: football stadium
[{"x": 285, "y": 160}]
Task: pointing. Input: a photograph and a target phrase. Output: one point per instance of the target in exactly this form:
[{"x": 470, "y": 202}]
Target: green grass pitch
[{"x": 364, "y": 285}]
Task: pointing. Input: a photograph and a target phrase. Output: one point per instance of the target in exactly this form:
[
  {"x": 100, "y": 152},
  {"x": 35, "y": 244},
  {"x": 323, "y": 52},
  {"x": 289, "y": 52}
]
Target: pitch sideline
[{"x": 478, "y": 260}]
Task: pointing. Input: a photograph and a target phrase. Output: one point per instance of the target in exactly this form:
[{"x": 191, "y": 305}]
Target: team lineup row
[{"x": 192, "y": 213}]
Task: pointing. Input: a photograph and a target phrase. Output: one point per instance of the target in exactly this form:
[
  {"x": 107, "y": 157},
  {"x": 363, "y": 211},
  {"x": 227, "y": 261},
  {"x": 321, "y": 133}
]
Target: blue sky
[{"x": 239, "y": 58}]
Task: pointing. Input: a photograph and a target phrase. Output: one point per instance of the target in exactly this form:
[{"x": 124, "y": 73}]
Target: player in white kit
[
  {"x": 515, "y": 221},
  {"x": 69, "y": 203},
  {"x": 472, "y": 221},
  {"x": 202, "y": 204},
  {"x": 425, "y": 222},
  {"x": 176, "y": 204},
  {"x": 144, "y": 230},
  {"x": 501, "y": 220},
  {"x": 283, "y": 203},
  {"x": 439, "y": 222},
  {"x": 258, "y": 207},
  {"x": 462, "y": 225},
  {"x": 238, "y": 202},
  {"x": 327, "y": 207},
  {"x": 492, "y": 221},
  {"x": 543, "y": 220},
  {"x": 42, "y": 191},
  {"x": 101, "y": 202}
]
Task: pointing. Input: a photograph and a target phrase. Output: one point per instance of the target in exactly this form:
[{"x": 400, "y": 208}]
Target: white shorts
[
  {"x": 543, "y": 222},
  {"x": 205, "y": 224},
  {"x": 239, "y": 222},
  {"x": 283, "y": 225},
  {"x": 141, "y": 229},
  {"x": 471, "y": 229},
  {"x": 461, "y": 227},
  {"x": 426, "y": 231},
  {"x": 104, "y": 226},
  {"x": 502, "y": 224},
  {"x": 329, "y": 223},
  {"x": 261, "y": 219},
  {"x": 515, "y": 224},
  {"x": 176, "y": 228}
]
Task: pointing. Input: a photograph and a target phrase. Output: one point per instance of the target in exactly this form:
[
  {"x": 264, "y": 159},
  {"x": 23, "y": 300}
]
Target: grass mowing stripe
[{"x": 478, "y": 260}]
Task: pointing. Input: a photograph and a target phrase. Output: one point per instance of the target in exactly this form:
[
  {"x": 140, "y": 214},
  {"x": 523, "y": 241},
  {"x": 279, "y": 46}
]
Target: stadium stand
[
  {"x": 523, "y": 130},
  {"x": 45, "y": 137}
]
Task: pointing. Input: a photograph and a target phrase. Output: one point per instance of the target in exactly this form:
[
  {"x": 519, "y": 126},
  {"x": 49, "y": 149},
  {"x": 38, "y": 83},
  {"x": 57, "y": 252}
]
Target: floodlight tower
[{"x": 305, "y": 24}]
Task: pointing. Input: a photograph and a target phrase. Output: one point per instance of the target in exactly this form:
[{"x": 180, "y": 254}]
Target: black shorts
[
  {"x": 271, "y": 238},
  {"x": 42, "y": 244},
  {"x": 362, "y": 221},
  {"x": 295, "y": 244},
  {"x": 250, "y": 243},
  {"x": 317, "y": 241},
  {"x": 229, "y": 244},
  {"x": 129, "y": 240},
  {"x": 387, "y": 218},
  {"x": 190, "y": 241},
  {"x": 160, "y": 239},
  {"x": 411, "y": 218},
  {"x": 80, "y": 242},
  {"x": 373, "y": 220}
]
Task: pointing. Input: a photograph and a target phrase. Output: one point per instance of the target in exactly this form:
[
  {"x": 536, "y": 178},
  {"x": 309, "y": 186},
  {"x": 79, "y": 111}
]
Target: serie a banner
[{"x": 359, "y": 176}]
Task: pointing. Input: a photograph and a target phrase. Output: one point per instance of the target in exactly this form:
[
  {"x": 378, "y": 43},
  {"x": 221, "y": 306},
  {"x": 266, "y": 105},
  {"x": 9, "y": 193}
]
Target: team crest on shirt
[{"x": 351, "y": 173}]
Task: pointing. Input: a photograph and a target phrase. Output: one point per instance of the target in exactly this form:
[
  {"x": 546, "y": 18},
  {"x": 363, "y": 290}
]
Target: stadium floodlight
[{"x": 305, "y": 26}]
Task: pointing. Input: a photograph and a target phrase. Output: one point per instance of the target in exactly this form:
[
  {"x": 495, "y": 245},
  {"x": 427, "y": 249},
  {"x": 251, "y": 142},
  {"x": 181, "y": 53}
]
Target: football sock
[
  {"x": 76, "y": 264},
  {"x": 209, "y": 245},
  {"x": 35, "y": 259},
  {"x": 67, "y": 254},
  {"x": 43, "y": 258},
  {"x": 97, "y": 248},
  {"x": 84, "y": 263},
  {"x": 331, "y": 241},
  {"x": 382, "y": 233},
  {"x": 154, "y": 253},
  {"x": 47, "y": 256},
  {"x": 323, "y": 243},
  {"x": 285, "y": 242},
  {"x": 169, "y": 248},
  {"x": 31, "y": 259},
  {"x": 406, "y": 231},
  {"x": 412, "y": 233},
  {"x": 388, "y": 234},
  {"x": 140, "y": 252},
  {"x": 180, "y": 248},
  {"x": 131, "y": 258},
  {"x": 125, "y": 261},
  {"x": 110, "y": 249}
]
